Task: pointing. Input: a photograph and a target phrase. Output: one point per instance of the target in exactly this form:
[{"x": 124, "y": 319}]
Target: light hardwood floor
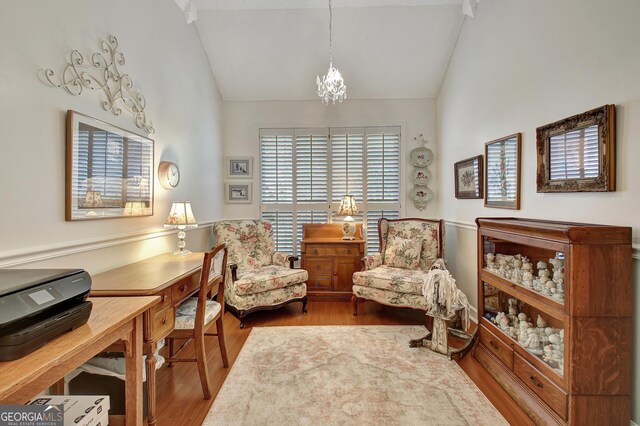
[{"x": 180, "y": 399}]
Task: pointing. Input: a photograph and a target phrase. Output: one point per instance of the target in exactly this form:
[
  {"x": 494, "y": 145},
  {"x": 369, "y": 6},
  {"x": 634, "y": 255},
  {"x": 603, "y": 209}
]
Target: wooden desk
[
  {"x": 112, "y": 319},
  {"x": 330, "y": 260},
  {"x": 173, "y": 278}
]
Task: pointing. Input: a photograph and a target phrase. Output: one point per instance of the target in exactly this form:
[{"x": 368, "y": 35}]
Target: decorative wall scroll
[
  {"x": 101, "y": 73},
  {"x": 420, "y": 158}
]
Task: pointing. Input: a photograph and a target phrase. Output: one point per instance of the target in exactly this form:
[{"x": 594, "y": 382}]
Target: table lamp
[
  {"x": 348, "y": 208},
  {"x": 181, "y": 218}
]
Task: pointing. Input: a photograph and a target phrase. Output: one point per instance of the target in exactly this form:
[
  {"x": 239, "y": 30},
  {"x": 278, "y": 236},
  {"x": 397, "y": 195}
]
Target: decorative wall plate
[
  {"x": 421, "y": 195},
  {"x": 421, "y": 157},
  {"x": 421, "y": 176}
]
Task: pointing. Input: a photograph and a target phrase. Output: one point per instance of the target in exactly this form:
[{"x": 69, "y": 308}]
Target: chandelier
[{"x": 331, "y": 86}]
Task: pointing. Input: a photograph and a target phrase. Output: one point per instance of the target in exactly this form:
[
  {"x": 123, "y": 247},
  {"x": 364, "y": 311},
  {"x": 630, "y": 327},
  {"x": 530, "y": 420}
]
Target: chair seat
[
  {"x": 384, "y": 277},
  {"x": 186, "y": 313},
  {"x": 267, "y": 278}
]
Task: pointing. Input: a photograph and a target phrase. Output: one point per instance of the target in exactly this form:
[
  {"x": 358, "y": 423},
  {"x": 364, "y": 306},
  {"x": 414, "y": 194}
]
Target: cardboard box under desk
[{"x": 97, "y": 384}]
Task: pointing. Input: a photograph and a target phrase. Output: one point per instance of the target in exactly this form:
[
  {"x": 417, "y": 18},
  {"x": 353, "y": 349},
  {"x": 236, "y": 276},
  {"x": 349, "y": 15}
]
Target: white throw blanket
[{"x": 439, "y": 288}]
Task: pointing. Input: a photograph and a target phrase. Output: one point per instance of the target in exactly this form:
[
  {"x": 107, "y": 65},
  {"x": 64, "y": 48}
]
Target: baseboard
[{"x": 52, "y": 251}]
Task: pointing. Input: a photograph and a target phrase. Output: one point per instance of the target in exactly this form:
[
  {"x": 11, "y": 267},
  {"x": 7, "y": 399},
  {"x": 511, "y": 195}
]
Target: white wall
[
  {"x": 165, "y": 58},
  {"x": 242, "y": 121},
  {"x": 522, "y": 64}
]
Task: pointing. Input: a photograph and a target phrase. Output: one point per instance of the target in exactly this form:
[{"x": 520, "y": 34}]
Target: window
[{"x": 305, "y": 172}]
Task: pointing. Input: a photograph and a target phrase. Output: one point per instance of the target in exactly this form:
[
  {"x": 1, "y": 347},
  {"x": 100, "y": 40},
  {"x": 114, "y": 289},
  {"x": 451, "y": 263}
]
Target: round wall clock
[{"x": 168, "y": 174}]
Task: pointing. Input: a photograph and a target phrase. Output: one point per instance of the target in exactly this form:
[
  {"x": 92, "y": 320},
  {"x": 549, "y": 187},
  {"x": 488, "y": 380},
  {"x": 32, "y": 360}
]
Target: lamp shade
[
  {"x": 348, "y": 206},
  {"x": 134, "y": 208},
  {"x": 181, "y": 216}
]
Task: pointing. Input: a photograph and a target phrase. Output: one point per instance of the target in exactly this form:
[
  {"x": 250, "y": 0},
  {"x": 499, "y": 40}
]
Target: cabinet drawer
[
  {"x": 319, "y": 281},
  {"x": 318, "y": 265},
  {"x": 333, "y": 250},
  {"x": 497, "y": 347},
  {"x": 161, "y": 324},
  {"x": 165, "y": 301},
  {"x": 555, "y": 397},
  {"x": 182, "y": 289}
]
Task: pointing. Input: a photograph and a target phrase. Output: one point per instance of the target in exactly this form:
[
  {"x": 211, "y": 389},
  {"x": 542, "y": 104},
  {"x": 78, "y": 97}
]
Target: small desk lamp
[
  {"x": 181, "y": 217},
  {"x": 348, "y": 208}
]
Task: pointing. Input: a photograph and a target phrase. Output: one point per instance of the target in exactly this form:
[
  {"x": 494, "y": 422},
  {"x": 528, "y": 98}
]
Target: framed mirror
[
  {"x": 502, "y": 172},
  {"x": 577, "y": 154},
  {"x": 109, "y": 171}
]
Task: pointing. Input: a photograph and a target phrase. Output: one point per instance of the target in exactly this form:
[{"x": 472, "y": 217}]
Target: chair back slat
[{"x": 209, "y": 277}]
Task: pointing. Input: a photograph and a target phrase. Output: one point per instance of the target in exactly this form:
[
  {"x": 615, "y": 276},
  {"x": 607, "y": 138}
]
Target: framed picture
[
  {"x": 578, "y": 154},
  {"x": 239, "y": 167},
  {"x": 238, "y": 193},
  {"x": 502, "y": 172},
  {"x": 467, "y": 175},
  {"x": 109, "y": 171}
]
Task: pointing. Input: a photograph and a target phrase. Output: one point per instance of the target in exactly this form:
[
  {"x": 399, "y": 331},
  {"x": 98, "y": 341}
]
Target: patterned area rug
[{"x": 340, "y": 375}]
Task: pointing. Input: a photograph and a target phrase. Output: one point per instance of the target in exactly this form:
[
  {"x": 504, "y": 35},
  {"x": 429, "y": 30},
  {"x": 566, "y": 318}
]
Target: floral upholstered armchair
[
  {"x": 258, "y": 277},
  {"x": 394, "y": 277}
]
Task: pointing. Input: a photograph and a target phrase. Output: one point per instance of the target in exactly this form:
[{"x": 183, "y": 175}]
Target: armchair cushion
[
  {"x": 403, "y": 252},
  {"x": 394, "y": 279},
  {"x": 249, "y": 242},
  {"x": 265, "y": 298},
  {"x": 267, "y": 278},
  {"x": 425, "y": 231}
]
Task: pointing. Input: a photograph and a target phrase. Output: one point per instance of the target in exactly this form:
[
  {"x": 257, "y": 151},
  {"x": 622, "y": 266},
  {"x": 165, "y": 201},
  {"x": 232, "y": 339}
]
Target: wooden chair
[{"x": 197, "y": 314}]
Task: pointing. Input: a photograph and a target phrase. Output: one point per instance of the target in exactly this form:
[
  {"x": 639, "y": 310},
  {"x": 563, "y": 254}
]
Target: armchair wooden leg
[
  {"x": 221, "y": 342},
  {"x": 354, "y": 302},
  {"x": 203, "y": 371},
  {"x": 304, "y": 305}
]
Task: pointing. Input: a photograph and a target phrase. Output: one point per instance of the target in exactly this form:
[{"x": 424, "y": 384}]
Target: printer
[{"x": 36, "y": 305}]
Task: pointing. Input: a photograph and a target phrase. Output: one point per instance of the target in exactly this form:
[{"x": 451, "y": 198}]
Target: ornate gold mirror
[{"x": 577, "y": 154}]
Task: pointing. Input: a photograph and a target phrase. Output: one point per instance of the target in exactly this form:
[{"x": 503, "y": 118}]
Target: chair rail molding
[
  {"x": 101, "y": 73},
  {"x": 52, "y": 251}
]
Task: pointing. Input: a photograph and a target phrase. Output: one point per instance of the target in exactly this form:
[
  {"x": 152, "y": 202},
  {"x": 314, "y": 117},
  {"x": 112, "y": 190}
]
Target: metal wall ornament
[
  {"x": 101, "y": 72},
  {"x": 420, "y": 158}
]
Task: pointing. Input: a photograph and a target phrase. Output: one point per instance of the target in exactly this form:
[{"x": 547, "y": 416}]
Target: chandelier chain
[{"x": 330, "y": 31}]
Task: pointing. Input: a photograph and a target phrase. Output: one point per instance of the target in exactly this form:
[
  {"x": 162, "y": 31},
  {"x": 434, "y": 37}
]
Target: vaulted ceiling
[{"x": 273, "y": 49}]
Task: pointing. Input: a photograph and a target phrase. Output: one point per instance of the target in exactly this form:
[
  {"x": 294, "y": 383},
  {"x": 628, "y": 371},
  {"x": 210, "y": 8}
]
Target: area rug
[{"x": 346, "y": 375}]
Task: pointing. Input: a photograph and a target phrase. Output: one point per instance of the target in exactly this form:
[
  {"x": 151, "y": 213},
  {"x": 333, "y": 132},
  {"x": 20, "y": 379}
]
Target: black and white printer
[{"x": 36, "y": 305}]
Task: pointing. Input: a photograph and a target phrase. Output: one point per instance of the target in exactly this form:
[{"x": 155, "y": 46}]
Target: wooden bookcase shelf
[{"x": 589, "y": 382}]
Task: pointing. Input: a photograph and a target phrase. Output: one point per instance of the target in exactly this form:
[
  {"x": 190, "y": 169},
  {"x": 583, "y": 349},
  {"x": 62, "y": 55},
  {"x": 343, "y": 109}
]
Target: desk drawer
[
  {"x": 318, "y": 265},
  {"x": 183, "y": 289},
  {"x": 319, "y": 282},
  {"x": 338, "y": 249},
  {"x": 497, "y": 347},
  {"x": 541, "y": 386},
  {"x": 161, "y": 324},
  {"x": 165, "y": 301}
]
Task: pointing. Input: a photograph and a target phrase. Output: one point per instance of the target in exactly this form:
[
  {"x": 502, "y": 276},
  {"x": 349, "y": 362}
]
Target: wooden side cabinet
[{"x": 330, "y": 260}]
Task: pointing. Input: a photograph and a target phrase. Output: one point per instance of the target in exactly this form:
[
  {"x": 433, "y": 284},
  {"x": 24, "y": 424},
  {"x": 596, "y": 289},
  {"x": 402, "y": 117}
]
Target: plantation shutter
[
  {"x": 574, "y": 155},
  {"x": 305, "y": 172},
  {"x": 106, "y": 166}
]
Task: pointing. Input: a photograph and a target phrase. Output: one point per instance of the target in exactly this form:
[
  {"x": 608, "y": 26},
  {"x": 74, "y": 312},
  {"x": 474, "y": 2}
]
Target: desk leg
[
  {"x": 151, "y": 383},
  {"x": 133, "y": 376}
]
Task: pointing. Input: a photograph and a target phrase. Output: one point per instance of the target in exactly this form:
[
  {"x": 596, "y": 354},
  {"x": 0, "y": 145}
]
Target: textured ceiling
[{"x": 273, "y": 50}]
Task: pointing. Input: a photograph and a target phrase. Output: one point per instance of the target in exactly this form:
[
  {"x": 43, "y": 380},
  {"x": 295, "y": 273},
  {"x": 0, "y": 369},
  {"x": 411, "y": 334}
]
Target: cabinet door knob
[
  {"x": 318, "y": 267},
  {"x": 348, "y": 251},
  {"x": 183, "y": 287},
  {"x": 164, "y": 320},
  {"x": 493, "y": 345},
  {"x": 315, "y": 252}
]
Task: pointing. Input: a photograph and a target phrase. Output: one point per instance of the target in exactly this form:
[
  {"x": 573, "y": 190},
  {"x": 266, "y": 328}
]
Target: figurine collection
[
  {"x": 545, "y": 342},
  {"x": 519, "y": 269}
]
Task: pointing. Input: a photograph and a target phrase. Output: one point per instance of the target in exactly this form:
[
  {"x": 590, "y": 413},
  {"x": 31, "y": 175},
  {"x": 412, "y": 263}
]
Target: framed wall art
[
  {"x": 239, "y": 167},
  {"x": 467, "y": 175},
  {"x": 502, "y": 172},
  {"x": 109, "y": 171},
  {"x": 238, "y": 193},
  {"x": 578, "y": 154}
]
